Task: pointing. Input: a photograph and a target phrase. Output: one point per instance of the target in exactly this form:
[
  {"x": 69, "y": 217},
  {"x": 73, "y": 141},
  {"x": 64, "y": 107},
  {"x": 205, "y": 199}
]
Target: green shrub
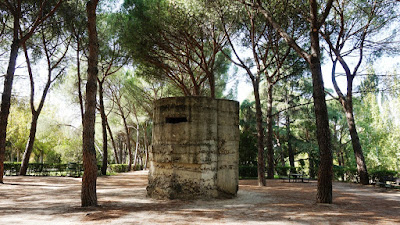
[
  {"x": 138, "y": 167},
  {"x": 338, "y": 172},
  {"x": 379, "y": 174},
  {"x": 248, "y": 171},
  {"x": 118, "y": 168},
  {"x": 351, "y": 174},
  {"x": 12, "y": 168},
  {"x": 282, "y": 170}
]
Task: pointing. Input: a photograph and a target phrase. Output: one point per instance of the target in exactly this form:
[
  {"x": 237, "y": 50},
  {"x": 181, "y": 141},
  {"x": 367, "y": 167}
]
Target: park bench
[
  {"x": 298, "y": 177},
  {"x": 388, "y": 182}
]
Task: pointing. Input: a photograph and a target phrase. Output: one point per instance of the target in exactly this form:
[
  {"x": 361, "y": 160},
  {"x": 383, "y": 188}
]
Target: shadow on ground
[{"x": 56, "y": 200}]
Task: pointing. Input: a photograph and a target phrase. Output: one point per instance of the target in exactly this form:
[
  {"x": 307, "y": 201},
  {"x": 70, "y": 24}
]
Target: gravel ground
[{"x": 122, "y": 199}]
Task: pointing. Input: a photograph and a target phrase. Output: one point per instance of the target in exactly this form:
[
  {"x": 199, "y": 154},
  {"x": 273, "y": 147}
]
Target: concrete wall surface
[{"x": 195, "y": 148}]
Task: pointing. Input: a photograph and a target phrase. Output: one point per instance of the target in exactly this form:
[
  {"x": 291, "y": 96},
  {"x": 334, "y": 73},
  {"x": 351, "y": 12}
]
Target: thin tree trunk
[
  {"x": 341, "y": 155},
  {"x": 128, "y": 140},
  {"x": 35, "y": 112},
  {"x": 355, "y": 141},
  {"x": 78, "y": 73},
  {"x": 137, "y": 146},
  {"x": 342, "y": 159},
  {"x": 117, "y": 159},
  {"x": 270, "y": 149},
  {"x": 6, "y": 97},
  {"x": 121, "y": 152},
  {"x": 260, "y": 136},
  {"x": 289, "y": 143},
  {"x": 312, "y": 166},
  {"x": 29, "y": 145},
  {"x": 278, "y": 142},
  {"x": 289, "y": 135},
  {"x": 88, "y": 193},
  {"x": 104, "y": 129},
  {"x": 347, "y": 104},
  {"x": 146, "y": 149},
  {"x": 211, "y": 80}
]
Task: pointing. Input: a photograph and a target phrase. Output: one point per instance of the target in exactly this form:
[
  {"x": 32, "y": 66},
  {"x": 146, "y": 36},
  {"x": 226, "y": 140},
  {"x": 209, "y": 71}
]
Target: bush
[
  {"x": 248, "y": 171},
  {"x": 351, "y": 174},
  {"x": 138, "y": 167},
  {"x": 338, "y": 172},
  {"x": 118, "y": 168},
  {"x": 379, "y": 174},
  {"x": 282, "y": 170},
  {"x": 12, "y": 168}
]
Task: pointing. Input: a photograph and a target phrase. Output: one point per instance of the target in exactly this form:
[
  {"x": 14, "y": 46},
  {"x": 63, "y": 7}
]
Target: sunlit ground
[{"x": 56, "y": 200}]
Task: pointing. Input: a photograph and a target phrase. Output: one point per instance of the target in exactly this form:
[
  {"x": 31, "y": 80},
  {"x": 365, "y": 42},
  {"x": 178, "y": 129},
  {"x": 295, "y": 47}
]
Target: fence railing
[{"x": 58, "y": 169}]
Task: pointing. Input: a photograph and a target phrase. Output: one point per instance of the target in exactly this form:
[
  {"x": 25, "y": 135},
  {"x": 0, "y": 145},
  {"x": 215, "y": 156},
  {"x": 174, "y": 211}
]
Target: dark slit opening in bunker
[{"x": 176, "y": 120}]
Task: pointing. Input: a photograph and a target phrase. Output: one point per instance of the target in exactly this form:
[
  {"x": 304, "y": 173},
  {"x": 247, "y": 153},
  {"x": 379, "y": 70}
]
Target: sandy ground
[{"x": 122, "y": 199}]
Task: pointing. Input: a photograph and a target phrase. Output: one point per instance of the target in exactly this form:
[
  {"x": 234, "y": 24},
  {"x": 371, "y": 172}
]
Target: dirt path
[{"x": 56, "y": 200}]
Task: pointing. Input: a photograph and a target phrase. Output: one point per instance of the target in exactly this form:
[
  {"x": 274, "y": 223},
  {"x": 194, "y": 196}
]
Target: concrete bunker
[{"x": 195, "y": 148}]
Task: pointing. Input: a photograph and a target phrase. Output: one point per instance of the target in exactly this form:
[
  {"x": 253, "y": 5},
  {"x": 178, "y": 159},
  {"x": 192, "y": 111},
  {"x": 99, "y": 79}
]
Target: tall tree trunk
[
  {"x": 211, "y": 80},
  {"x": 122, "y": 152},
  {"x": 289, "y": 143},
  {"x": 312, "y": 166},
  {"x": 342, "y": 159},
  {"x": 117, "y": 159},
  {"x": 146, "y": 149},
  {"x": 29, "y": 145},
  {"x": 35, "y": 112},
  {"x": 324, "y": 189},
  {"x": 289, "y": 135},
  {"x": 104, "y": 129},
  {"x": 6, "y": 97},
  {"x": 128, "y": 140},
  {"x": 146, "y": 152},
  {"x": 78, "y": 73},
  {"x": 355, "y": 141},
  {"x": 278, "y": 143},
  {"x": 137, "y": 145},
  {"x": 88, "y": 193},
  {"x": 325, "y": 173},
  {"x": 341, "y": 155},
  {"x": 270, "y": 149},
  {"x": 260, "y": 136}
]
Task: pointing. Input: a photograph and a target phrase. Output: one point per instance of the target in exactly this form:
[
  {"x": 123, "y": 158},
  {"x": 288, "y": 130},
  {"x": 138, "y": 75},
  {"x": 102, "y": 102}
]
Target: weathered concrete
[{"x": 195, "y": 148}]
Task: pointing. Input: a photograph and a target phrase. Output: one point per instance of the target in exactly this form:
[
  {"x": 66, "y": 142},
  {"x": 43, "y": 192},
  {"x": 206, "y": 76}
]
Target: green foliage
[
  {"x": 375, "y": 174},
  {"x": 283, "y": 170},
  {"x": 118, "y": 168},
  {"x": 379, "y": 134},
  {"x": 248, "y": 139},
  {"x": 121, "y": 168},
  {"x": 178, "y": 40},
  {"x": 247, "y": 118},
  {"x": 379, "y": 174},
  {"x": 338, "y": 172},
  {"x": 351, "y": 173},
  {"x": 248, "y": 171},
  {"x": 247, "y": 148},
  {"x": 17, "y": 130},
  {"x": 12, "y": 168}
]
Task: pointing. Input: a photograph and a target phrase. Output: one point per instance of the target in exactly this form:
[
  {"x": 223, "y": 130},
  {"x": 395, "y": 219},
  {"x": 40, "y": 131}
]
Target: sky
[
  {"x": 386, "y": 64},
  {"x": 382, "y": 66}
]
